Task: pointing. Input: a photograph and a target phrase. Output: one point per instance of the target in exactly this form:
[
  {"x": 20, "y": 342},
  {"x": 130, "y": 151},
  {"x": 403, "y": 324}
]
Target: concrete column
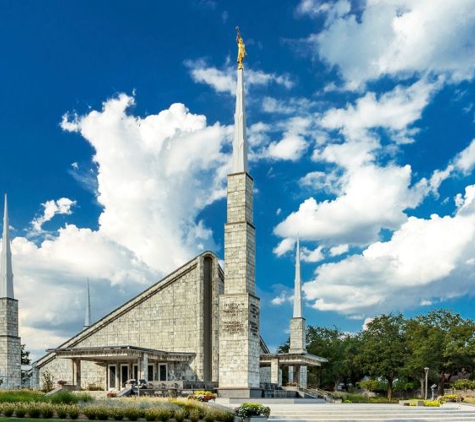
[
  {"x": 303, "y": 376},
  {"x": 291, "y": 374},
  {"x": 77, "y": 372},
  {"x": 274, "y": 371},
  {"x": 145, "y": 366},
  {"x": 297, "y": 374}
]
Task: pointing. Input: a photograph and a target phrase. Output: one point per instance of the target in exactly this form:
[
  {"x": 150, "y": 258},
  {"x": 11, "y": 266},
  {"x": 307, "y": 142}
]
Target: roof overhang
[
  {"x": 293, "y": 359},
  {"x": 122, "y": 353}
]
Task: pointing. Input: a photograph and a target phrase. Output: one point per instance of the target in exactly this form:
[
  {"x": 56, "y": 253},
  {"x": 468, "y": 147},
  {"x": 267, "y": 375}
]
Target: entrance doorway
[
  {"x": 124, "y": 374},
  {"x": 162, "y": 372}
]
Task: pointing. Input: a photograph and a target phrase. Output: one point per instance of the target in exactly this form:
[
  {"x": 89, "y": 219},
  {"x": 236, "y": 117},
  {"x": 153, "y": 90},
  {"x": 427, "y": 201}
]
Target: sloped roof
[{"x": 126, "y": 307}]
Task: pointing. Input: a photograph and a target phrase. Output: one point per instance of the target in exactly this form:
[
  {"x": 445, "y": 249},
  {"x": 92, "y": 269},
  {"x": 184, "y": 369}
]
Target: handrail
[{"x": 315, "y": 392}]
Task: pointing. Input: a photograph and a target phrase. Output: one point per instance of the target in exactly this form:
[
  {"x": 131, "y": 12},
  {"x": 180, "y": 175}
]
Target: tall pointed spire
[
  {"x": 240, "y": 143},
  {"x": 298, "y": 286},
  {"x": 87, "y": 319},
  {"x": 6, "y": 282}
]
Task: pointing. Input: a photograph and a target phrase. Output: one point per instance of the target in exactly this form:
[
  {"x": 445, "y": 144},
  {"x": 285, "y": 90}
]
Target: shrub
[
  {"x": 180, "y": 415},
  {"x": 63, "y": 397},
  {"x": 20, "y": 410},
  {"x": 209, "y": 416},
  {"x": 73, "y": 411},
  {"x": 83, "y": 398},
  {"x": 463, "y": 384},
  {"x": 8, "y": 410},
  {"x": 48, "y": 383},
  {"x": 247, "y": 410},
  {"x": 194, "y": 415},
  {"x": 225, "y": 416},
  {"x": 9, "y": 396},
  {"x": 132, "y": 413},
  {"x": 47, "y": 411},
  {"x": 118, "y": 413},
  {"x": 164, "y": 414},
  {"x": 102, "y": 413},
  {"x": 369, "y": 385},
  {"x": 90, "y": 412},
  {"x": 62, "y": 411},
  {"x": 33, "y": 410},
  {"x": 151, "y": 415}
]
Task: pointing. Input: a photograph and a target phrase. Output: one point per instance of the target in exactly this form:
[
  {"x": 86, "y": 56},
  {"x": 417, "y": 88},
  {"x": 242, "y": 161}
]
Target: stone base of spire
[
  {"x": 297, "y": 335},
  {"x": 239, "y": 345},
  {"x": 10, "y": 344}
]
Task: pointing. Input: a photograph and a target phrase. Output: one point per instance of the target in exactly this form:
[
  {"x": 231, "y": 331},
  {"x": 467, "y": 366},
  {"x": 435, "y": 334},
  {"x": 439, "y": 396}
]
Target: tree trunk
[
  {"x": 421, "y": 380},
  {"x": 390, "y": 389}
]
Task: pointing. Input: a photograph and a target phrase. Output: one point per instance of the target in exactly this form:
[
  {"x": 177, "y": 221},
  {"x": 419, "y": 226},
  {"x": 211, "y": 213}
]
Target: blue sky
[{"x": 116, "y": 129}]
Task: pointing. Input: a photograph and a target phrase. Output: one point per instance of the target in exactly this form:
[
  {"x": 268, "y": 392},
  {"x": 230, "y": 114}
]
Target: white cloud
[
  {"x": 395, "y": 111},
  {"x": 396, "y": 37},
  {"x": 50, "y": 209},
  {"x": 372, "y": 198},
  {"x": 155, "y": 174},
  {"x": 290, "y": 147},
  {"x": 286, "y": 105},
  {"x": 281, "y": 299},
  {"x": 465, "y": 160},
  {"x": 293, "y": 144},
  {"x": 339, "y": 250},
  {"x": 423, "y": 257},
  {"x": 225, "y": 80},
  {"x": 315, "y": 255},
  {"x": 286, "y": 245},
  {"x": 151, "y": 172}
]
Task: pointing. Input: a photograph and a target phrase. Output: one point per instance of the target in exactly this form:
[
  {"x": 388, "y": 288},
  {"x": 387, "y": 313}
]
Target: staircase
[{"x": 359, "y": 412}]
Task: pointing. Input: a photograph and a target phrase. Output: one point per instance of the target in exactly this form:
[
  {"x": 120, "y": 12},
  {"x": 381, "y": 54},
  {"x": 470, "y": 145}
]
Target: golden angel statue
[{"x": 241, "y": 49}]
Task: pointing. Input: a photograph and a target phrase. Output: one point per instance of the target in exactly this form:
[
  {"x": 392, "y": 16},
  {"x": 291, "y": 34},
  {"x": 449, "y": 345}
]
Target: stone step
[{"x": 372, "y": 413}]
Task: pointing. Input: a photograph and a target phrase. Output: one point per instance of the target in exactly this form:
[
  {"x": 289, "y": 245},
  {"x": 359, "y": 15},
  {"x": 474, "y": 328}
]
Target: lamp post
[{"x": 426, "y": 369}]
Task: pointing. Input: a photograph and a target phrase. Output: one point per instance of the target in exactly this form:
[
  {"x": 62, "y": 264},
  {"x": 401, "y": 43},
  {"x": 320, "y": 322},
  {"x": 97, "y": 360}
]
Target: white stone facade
[{"x": 177, "y": 314}]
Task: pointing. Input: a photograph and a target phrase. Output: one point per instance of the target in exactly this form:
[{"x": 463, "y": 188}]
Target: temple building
[{"x": 198, "y": 326}]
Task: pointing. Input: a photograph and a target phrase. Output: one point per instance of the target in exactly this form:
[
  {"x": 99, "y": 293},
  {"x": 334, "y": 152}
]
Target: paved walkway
[{"x": 450, "y": 412}]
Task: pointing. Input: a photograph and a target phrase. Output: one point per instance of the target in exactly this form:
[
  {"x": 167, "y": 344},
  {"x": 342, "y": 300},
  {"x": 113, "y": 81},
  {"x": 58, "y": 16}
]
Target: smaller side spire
[
  {"x": 87, "y": 320},
  {"x": 6, "y": 272},
  {"x": 298, "y": 284}
]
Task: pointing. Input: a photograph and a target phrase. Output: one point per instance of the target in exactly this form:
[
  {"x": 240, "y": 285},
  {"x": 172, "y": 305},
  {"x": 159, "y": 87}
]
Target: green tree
[
  {"x": 25, "y": 360},
  {"x": 383, "y": 348},
  {"x": 25, "y": 355},
  {"x": 442, "y": 341},
  {"x": 328, "y": 343}
]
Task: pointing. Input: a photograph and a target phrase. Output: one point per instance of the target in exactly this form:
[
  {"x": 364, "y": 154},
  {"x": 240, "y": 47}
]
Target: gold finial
[{"x": 241, "y": 49}]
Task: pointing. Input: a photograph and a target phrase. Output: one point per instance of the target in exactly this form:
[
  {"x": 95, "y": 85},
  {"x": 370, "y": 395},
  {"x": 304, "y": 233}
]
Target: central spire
[
  {"x": 6, "y": 287},
  {"x": 239, "y": 144},
  {"x": 298, "y": 287}
]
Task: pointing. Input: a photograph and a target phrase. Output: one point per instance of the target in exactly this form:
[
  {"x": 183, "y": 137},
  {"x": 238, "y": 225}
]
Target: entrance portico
[{"x": 124, "y": 362}]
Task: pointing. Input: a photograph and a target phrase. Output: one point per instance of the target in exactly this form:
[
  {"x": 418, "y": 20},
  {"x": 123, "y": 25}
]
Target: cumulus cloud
[
  {"x": 397, "y": 38},
  {"x": 397, "y": 273},
  {"x": 154, "y": 175},
  {"x": 372, "y": 198},
  {"x": 157, "y": 172},
  {"x": 50, "y": 209}
]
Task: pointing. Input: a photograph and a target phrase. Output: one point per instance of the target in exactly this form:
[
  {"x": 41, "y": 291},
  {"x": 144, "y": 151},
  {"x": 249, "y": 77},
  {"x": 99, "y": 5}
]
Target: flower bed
[{"x": 249, "y": 410}]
